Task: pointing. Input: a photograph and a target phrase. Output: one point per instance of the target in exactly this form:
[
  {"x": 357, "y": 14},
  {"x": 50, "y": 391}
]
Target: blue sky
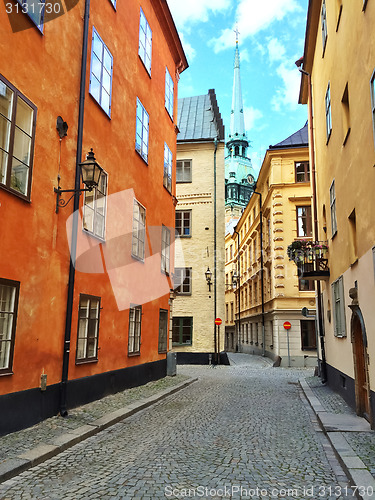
[{"x": 271, "y": 39}]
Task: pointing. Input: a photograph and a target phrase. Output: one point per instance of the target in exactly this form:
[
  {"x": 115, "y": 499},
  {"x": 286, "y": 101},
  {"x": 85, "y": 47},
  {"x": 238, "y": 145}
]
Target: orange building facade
[{"x": 73, "y": 330}]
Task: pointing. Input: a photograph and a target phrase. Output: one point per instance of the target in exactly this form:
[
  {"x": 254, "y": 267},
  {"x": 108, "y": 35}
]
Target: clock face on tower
[{"x": 250, "y": 179}]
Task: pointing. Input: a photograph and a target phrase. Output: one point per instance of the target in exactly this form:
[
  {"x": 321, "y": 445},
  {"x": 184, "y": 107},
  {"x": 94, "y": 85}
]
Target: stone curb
[
  {"x": 14, "y": 466},
  {"x": 353, "y": 466}
]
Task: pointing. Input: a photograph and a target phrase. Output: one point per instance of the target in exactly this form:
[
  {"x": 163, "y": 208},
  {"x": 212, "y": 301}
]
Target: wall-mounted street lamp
[
  {"x": 208, "y": 275},
  {"x": 235, "y": 279},
  {"x": 90, "y": 174}
]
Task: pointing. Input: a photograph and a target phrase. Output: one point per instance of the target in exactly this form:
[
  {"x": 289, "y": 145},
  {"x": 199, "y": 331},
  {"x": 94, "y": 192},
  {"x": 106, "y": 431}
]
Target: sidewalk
[
  {"x": 351, "y": 436},
  {"x": 29, "y": 447}
]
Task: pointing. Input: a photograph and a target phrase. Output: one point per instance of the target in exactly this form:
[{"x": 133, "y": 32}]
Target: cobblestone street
[{"x": 241, "y": 431}]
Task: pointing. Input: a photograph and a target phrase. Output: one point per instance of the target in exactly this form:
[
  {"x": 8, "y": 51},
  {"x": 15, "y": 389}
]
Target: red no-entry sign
[
  {"x": 218, "y": 321},
  {"x": 287, "y": 325}
]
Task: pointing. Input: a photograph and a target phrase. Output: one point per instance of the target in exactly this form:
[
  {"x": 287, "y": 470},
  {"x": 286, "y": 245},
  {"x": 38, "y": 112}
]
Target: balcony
[{"x": 311, "y": 259}]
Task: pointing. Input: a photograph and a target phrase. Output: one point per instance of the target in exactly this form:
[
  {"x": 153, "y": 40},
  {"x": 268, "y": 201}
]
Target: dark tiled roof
[
  {"x": 199, "y": 118},
  {"x": 298, "y": 139}
]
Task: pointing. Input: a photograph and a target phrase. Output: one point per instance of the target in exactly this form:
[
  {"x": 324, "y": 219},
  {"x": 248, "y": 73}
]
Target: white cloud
[
  {"x": 287, "y": 95},
  {"x": 245, "y": 55},
  {"x": 276, "y": 51},
  {"x": 191, "y": 11},
  {"x": 188, "y": 48},
  {"x": 251, "y": 116},
  {"x": 254, "y": 16}
]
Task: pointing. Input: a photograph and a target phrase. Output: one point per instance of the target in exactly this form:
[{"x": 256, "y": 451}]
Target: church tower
[{"x": 239, "y": 173}]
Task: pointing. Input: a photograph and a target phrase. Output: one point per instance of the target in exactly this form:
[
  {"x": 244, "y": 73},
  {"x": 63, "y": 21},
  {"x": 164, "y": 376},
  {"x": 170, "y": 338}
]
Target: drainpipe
[
  {"x": 262, "y": 272},
  {"x": 69, "y": 305},
  {"x": 322, "y": 363},
  {"x": 215, "y": 258}
]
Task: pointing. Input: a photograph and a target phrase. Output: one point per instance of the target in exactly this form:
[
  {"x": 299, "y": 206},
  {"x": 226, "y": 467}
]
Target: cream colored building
[
  {"x": 285, "y": 214},
  {"x": 200, "y": 158},
  {"x": 340, "y": 56}
]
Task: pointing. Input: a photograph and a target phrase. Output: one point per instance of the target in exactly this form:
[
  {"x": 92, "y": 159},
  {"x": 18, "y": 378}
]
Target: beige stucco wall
[
  {"x": 347, "y": 159},
  {"x": 198, "y": 250}
]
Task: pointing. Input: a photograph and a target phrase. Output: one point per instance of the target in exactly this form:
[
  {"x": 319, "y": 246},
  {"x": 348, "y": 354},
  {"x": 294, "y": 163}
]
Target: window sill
[
  {"x": 169, "y": 191},
  {"x": 105, "y": 112},
  {"x": 346, "y": 136},
  {"x": 184, "y": 182},
  {"x": 139, "y": 259},
  {"x": 133, "y": 354},
  {"x": 184, "y": 235},
  {"x": 141, "y": 156},
  {"x": 86, "y": 361},
  {"x": 145, "y": 67},
  {"x": 163, "y": 352},
  {"x": 15, "y": 193},
  {"x": 6, "y": 373},
  {"x": 89, "y": 233}
]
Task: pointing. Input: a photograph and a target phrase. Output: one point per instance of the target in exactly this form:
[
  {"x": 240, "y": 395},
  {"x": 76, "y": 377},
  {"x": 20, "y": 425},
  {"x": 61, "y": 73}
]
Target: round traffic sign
[
  {"x": 287, "y": 325},
  {"x": 218, "y": 321}
]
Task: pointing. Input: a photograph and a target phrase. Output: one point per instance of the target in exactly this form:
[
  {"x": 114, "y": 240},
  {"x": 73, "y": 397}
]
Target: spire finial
[{"x": 237, "y": 33}]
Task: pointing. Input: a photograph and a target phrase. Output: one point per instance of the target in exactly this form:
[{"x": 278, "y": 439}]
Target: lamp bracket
[{"x": 60, "y": 202}]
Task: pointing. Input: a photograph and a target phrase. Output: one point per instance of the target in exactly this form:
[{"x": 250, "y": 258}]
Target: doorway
[{"x": 362, "y": 396}]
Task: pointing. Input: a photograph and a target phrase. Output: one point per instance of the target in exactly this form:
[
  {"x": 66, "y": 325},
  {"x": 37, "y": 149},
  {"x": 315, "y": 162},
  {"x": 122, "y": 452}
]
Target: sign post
[
  {"x": 287, "y": 325},
  {"x": 218, "y": 322}
]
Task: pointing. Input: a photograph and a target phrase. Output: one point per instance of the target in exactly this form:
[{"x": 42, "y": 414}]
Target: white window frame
[
  {"x": 135, "y": 328},
  {"x": 183, "y": 171},
  {"x": 324, "y": 25},
  {"x": 145, "y": 42},
  {"x": 339, "y": 320},
  {"x": 139, "y": 231},
  {"x": 165, "y": 249},
  {"x": 328, "y": 111},
  {"x": 92, "y": 205},
  {"x": 84, "y": 327},
  {"x": 105, "y": 60},
  {"x": 9, "y": 295},
  {"x": 142, "y": 131},
  {"x": 183, "y": 278},
  {"x": 169, "y": 93},
  {"x": 332, "y": 202},
  {"x": 167, "y": 177}
]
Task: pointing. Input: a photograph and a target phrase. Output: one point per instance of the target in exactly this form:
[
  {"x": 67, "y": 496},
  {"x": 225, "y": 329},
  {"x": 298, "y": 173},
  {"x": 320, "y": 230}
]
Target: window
[
  {"x": 328, "y": 113},
  {"x": 9, "y": 293},
  {"x": 145, "y": 42},
  {"x": 353, "y": 248},
  {"x": 139, "y": 225},
  {"x": 345, "y": 114},
  {"x": 338, "y": 307},
  {"x": 231, "y": 312},
  {"x": 302, "y": 171},
  {"x": 226, "y": 313},
  {"x": 34, "y": 9},
  {"x": 167, "y": 178},
  {"x": 372, "y": 87},
  {"x": 182, "y": 330},
  {"x": 308, "y": 335},
  {"x": 183, "y": 280},
  {"x": 332, "y": 200},
  {"x": 183, "y": 222},
  {"x": 94, "y": 208},
  {"x": 168, "y": 93},
  {"x": 141, "y": 132},
  {"x": 231, "y": 252},
  {"x": 165, "y": 246},
  {"x": 113, "y": 2},
  {"x": 88, "y": 328},
  {"x": 306, "y": 285},
  {"x": 183, "y": 171},
  {"x": 17, "y": 134},
  {"x": 101, "y": 73},
  {"x": 163, "y": 331},
  {"x": 324, "y": 25},
  {"x": 304, "y": 222},
  {"x": 135, "y": 320}
]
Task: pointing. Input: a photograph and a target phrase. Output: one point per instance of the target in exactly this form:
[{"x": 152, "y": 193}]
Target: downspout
[
  {"x": 215, "y": 260},
  {"x": 73, "y": 250},
  {"x": 323, "y": 364},
  {"x": 262, "y": 273}
]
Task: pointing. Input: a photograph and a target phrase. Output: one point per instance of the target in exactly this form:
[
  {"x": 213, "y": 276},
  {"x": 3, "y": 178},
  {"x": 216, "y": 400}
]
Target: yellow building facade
[
  {"x": 200, "y": 158},
  {"x": 340, "y": 57},
  {"x": 282, "y": 205}
]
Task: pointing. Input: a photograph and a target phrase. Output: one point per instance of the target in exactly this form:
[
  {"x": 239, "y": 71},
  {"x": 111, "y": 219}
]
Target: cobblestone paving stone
[
  {"x": 16, "y": 443},
  {"x": 363, "y": 443},
  {"x": 331, "y": 400},
  {"x": 239, "y": 426}
]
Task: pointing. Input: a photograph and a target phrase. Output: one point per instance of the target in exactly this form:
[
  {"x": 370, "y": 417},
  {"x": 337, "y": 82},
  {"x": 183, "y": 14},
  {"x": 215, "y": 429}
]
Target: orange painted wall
[{"x": 33, "y": 240}]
